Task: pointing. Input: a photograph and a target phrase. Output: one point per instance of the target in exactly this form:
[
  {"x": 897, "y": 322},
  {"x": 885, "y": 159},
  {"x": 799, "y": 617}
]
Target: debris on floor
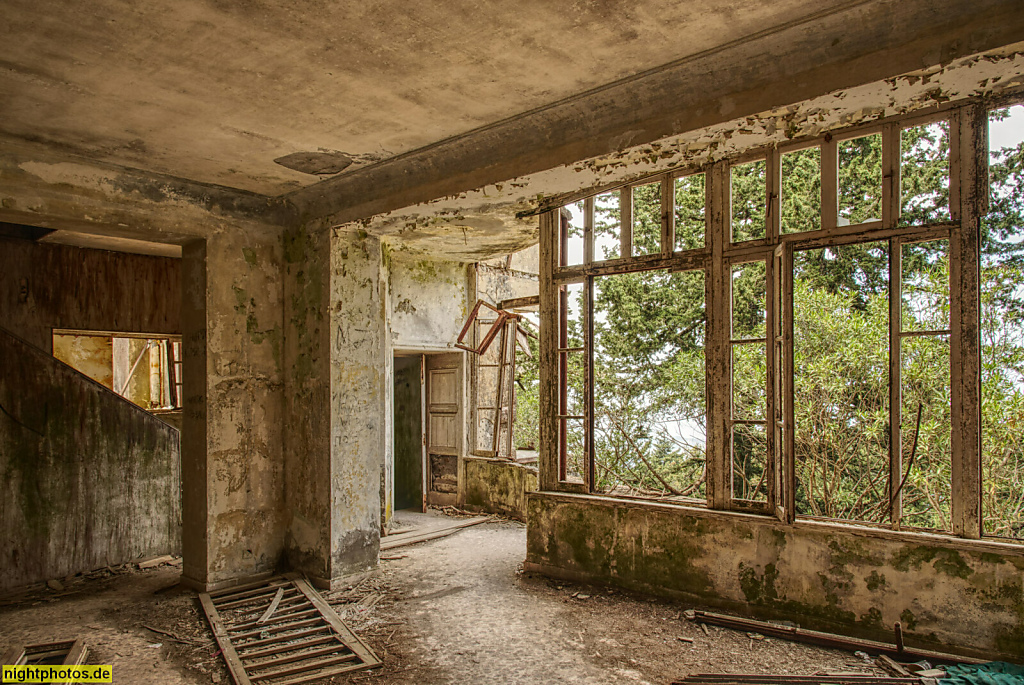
[
  {"x": 69, "y": 653},
  {"x": 840, "y": 679},
  {"x": 430, "y": 528},
  {"x": 282, "y": 632}
]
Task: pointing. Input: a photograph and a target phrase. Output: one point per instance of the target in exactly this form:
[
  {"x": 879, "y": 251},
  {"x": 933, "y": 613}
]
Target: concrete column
[
  {"x": 361, "y": 360},
  {"x": 338, "y": 356},
  {"x": 232, "y": 435}
]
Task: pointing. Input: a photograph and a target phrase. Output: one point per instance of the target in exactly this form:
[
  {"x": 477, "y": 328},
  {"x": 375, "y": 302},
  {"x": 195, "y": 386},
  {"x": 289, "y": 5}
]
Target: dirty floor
[{"x": 453, "y": 610}]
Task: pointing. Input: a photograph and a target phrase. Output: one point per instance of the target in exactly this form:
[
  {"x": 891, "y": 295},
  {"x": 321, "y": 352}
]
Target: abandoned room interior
[{"x": 713, "y": 306}]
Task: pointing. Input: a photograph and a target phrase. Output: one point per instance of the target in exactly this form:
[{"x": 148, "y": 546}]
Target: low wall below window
[
  {"x": 497, "y": 486},
  {"x": 950, "y": 594}
]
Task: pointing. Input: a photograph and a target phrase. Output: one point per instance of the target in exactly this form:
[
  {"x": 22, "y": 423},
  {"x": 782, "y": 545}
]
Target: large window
[{"x": 796, "y": 331}]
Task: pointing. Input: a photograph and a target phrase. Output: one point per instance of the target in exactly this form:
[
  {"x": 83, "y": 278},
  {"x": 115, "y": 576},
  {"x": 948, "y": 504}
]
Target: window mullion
[
  {"x": 895, "y": 380},
  {"x": 965, "y": 321},
  {"x": 718, "y": 351}
]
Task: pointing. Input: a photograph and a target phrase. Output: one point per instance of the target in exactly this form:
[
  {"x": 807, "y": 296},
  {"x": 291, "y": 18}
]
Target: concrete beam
[
  {"x": 41, "y": 188},
  {"x": 857, "y": 43}
]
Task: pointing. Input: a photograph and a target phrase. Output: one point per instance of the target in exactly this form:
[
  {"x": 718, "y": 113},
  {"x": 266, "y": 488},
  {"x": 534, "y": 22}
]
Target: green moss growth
[{"x": 875, "y": 581}]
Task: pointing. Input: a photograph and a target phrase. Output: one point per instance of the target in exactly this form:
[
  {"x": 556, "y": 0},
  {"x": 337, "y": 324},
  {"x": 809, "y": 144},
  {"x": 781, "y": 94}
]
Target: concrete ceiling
[{"x": 214, "y": 91}]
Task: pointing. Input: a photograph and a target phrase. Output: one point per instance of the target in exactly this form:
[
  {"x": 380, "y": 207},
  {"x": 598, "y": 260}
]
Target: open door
[
  {"x": 783, "y": 466},
  {"x": 444, "y": 427}
]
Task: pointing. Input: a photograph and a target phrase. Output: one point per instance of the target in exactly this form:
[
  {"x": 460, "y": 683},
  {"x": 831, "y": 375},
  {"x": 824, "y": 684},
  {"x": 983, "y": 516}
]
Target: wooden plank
[
  {"x": 281, "y": 649},
  {"x": 256, "y": 585},
  {"x": 295, "y": 612},
  {"x": 391, "y": 542},
  {"x": 266, "y": 589},
  {"x": 220, "y": 634},
  {"x": 252, "y": 600},
  {"x": 334, "y": 649},
  {"x": 77, "y": 654},
  {"x": 307, "y": 667},
  {"x": 322, "y": 674},
  {"x": 273, "y": 629},
  {"x": 679, "y": 261},
  {"x": 284, "y": 637},
  {"x": 347, "y": 636},
  {"x": 519, "y": 302}
]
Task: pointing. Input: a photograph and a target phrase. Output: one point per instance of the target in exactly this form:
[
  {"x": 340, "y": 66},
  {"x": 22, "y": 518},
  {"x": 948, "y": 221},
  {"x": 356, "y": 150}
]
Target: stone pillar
[
  {"x": 232, "y": 435},
  {"x": 337, "y": 355}
]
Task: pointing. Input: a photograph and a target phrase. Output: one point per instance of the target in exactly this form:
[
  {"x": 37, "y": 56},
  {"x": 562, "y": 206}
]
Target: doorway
[{"x": 428, "y": 429}]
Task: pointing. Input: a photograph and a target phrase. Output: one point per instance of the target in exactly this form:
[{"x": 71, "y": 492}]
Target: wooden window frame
[{"x": 968, "y": 193}]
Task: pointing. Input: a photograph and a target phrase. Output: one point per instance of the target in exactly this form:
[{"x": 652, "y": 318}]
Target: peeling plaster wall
[
  {"x": 232, "y": 460},
  {"x": 43, "y": 287},
  {"x": 485, "y": 222},
  {"x": 81, "y": 489},
  {"x": 950, "y": 595},
  {"x": 360, "y": 397},
  {"x": 307, "y": 470},
  {"x": 496, "y": 486},
  {"x": 429, "y": 302}
]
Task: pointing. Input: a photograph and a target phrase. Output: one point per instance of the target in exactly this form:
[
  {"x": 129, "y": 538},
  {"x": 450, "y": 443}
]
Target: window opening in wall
[
  {"x": 860, "y": 179},
  {"x": 650, "y": 414},
  {"x": 527, "y": 390},
  {"x": 689, "y": 212},
  {"x": 926, "y": 478},
  {"x": 749, "y": 365},
  {"x": 749, "y": 208},
  {"x": 924, "y": 177},
  {"x": 572, "y": 367},
  {"x": 144, "y": 370},
  {"x": 647, "y": 219},
  {"x": 1002, "y": 329},
  {"x": 855, "y": 342},
  {"x": 841, "y": 391},
  {"x": 607, "y": 241},
  {"x": 572, "y": 244},
  {"x": 801, "y": 190}
]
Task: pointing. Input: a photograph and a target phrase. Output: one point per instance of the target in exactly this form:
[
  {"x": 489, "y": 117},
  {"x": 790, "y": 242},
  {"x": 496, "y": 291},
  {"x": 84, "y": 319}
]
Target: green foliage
[{"x": 650, "y": 328}]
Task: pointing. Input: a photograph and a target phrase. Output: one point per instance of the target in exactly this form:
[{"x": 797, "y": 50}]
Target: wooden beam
[
  {"x": 718, "y": 290},
  {"x": 965, "y": 322},
  {"x": 548, "y": 459}
]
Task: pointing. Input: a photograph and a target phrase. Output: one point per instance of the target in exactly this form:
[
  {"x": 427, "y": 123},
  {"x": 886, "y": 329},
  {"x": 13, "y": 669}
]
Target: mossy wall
[
  {"x": 86, "y": 478},
  {"x": 496, "y": 486},
  {"x": 951, "y": 595}
]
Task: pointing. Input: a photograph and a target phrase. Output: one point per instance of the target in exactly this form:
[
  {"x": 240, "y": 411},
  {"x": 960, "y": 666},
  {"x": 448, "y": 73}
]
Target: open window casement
[{"x": 783, "y": 462}]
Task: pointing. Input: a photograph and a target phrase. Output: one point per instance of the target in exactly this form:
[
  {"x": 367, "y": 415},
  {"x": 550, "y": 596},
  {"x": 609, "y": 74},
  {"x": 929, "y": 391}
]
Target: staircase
[{"x": 87, "y": 479}]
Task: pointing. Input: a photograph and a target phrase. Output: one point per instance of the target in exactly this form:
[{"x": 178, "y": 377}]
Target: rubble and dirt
[{"x": 456, "y": 609}]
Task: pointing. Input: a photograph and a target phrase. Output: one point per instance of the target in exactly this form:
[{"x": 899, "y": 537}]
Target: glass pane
[
  {"x": 801, "y": 190},
  {"x": 924, "y": 173},
  {"x": 748, "y": 201},
  {"x": 749, "y": 462},
  {"x": 647, "y": 219},
  {"x": 575, "y": 456},
  {"x": 841, "y": 389},
  {"x": 572, "y": 249},
  {"x": 749, "y": 382},
  {"x": 650, "y": 412},
  {"x": 606, "y": 226},
  {"x": 926, "y": 451},
  {"x": 926, "y": 286},
  {"x": 749, "y": 286},
  {"x": 1002, "y": 329},
  {"x": 690, "y": 226},
  {"x": 860, "y": 179}
]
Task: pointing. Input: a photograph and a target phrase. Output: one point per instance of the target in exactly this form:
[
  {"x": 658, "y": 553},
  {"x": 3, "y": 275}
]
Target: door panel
[{"x": 444, "y": 427}]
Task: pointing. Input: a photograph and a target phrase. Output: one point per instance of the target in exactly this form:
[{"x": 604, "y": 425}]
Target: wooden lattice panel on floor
[{"x": 280, "y": 632}]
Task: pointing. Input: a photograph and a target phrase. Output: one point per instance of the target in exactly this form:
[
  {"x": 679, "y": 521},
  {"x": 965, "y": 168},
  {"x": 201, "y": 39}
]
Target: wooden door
[{"x": 444, "y": 427}]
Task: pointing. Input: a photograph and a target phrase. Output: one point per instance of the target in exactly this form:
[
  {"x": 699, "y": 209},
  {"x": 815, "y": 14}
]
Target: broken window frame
[{"x": 967, "y": 194}]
